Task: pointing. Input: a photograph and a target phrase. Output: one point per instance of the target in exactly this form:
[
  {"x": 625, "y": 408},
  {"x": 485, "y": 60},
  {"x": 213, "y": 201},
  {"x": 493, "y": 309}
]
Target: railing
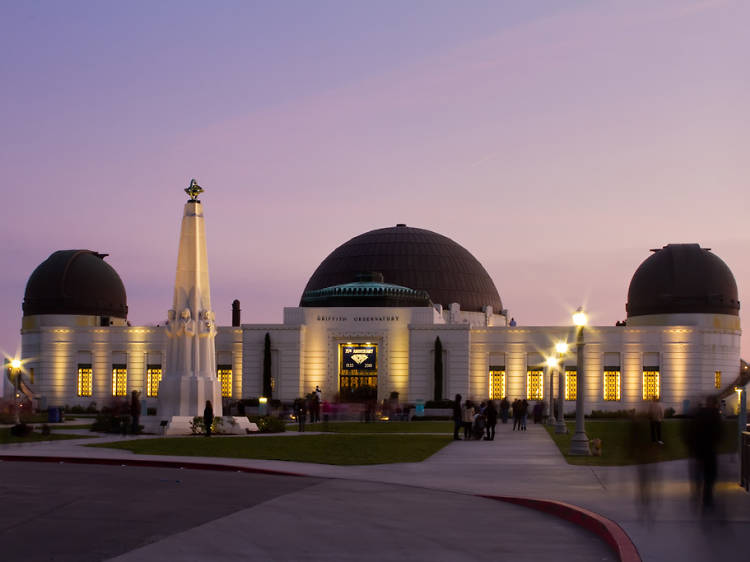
[{"x": 745, "y": 460}]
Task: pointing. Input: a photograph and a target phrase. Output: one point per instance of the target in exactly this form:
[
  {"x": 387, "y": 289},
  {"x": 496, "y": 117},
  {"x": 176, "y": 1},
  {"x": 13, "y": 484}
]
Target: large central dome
[{"x": 415, "y": 258}]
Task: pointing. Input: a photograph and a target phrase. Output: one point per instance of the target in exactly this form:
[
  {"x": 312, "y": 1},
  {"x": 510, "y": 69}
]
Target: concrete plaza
[{"x": 411, "y": 511}]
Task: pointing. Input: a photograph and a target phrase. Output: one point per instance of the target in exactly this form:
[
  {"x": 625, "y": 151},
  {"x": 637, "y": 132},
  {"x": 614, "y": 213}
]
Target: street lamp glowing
[
  {"x": 16, "y": 364},
  {"x": 738, "y": 390},
  {"x": 579, "y": 318},
  {"x": 561, "y": 347},
  {"x": 551, "y": 362}
]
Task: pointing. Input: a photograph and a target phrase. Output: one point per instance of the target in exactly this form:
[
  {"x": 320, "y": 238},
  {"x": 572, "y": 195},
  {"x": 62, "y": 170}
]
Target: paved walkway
[{"x": 529, "y": 465}]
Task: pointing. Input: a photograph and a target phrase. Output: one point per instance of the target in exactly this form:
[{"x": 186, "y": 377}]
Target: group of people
[
  {"x": 477, "y": 421},
  {"x": 309, "y": 405}
]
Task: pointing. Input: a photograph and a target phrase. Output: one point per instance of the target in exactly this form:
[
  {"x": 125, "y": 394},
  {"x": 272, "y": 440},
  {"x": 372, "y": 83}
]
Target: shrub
[
  {"x": 445, "y": 403},
  {"x": 77, "y": 409},
  {"x": 197, "y": 426},
  {"x": 268, "y": 424},
  {"x": 91, "y": 409},
  {"x": 114, "y": 418},
  {"x": 20, "y": 430},
  {"x": 150, "y": 411},
  {"x": 615, "y": 414},
  {"x": 249, "y": 402},
  {"x": 669, "y": 413},
  {"x": 45, "y": 429}
]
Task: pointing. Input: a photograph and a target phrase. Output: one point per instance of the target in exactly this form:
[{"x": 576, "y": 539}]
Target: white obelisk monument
[{"x": 189, "y": 378}]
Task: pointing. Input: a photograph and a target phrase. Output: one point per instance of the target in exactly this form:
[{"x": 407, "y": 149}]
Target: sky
[{"x": 557, "y": 141}]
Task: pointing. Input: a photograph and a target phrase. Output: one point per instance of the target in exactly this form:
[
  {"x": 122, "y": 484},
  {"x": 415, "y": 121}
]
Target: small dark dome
[
  {"x": 75, "y": 282},
  {"x": 683, "y": 278},
  {"x": 412, "y": 258}
]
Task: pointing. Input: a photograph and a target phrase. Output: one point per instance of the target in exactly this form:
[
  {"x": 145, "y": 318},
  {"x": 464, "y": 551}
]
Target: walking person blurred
[
  {"x": 491, "y": 420},
  {"x": 704, "y": 436},
  {"x": 504, "y": 407}
]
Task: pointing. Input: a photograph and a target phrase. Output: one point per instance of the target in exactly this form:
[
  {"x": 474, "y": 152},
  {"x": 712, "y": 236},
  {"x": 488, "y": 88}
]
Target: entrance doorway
[{"x": 358, "y": 372}]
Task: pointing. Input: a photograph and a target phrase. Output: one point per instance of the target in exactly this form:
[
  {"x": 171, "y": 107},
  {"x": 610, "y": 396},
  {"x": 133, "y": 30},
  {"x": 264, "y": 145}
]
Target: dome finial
[{"x": 194, "y": 190}]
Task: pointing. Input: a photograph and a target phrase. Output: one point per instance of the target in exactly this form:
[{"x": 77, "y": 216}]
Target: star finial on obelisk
[{"x": 194, "y": 190}]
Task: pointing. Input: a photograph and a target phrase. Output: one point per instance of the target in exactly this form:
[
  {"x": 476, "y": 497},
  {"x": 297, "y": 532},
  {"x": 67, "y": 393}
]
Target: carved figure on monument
[{"x": 207, "y": 323}]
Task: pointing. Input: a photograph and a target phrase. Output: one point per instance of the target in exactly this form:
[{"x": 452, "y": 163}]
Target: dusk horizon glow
[{"x": 557, "y": 144}]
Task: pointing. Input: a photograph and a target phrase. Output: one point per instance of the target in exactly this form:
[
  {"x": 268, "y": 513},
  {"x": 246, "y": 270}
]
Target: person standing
[
  {"x": 467, "y": 418},
  {"x": 456, "y": 417},
  {"x": 504, "y": 407},
  {"x": 208, "y": 417},
  {"x": 704, "y": 443},
  {"x": 299, "y": 413},
  {"x": 524, "y": 413},
  {"x": 655, "y": 417},
  {"x": 516, "y": 414},
  {"x": 135, "y": 412},
  {"x": 491, "y": 417}
]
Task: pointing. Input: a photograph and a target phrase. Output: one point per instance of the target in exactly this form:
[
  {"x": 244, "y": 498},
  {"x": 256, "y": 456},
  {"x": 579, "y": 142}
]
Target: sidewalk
[{"x": 525, "y": 464}]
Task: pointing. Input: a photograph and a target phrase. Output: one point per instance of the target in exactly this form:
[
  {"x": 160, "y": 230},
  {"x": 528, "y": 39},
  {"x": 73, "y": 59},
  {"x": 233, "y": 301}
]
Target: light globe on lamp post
[
  {"x": 562, "y": 348},
  {"x": 579, "y": 445}
]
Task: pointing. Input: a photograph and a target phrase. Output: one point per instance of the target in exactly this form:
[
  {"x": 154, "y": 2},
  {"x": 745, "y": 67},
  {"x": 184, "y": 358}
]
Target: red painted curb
[
  {"x": 150, "y": 463},
  {"x": 609, "y": 531}
]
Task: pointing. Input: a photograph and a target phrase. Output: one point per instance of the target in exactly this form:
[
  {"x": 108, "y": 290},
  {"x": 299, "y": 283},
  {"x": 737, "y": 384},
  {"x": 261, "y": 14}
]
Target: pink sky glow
[{"x": 557, "y": 142}]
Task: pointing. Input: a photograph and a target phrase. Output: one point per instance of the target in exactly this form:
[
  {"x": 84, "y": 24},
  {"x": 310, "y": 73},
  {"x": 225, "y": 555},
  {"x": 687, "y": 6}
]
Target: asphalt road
[{"x": 90, "y": 512}]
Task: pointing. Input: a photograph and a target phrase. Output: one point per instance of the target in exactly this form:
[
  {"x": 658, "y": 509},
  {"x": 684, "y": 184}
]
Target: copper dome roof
[{"x": 414, "y": 258}]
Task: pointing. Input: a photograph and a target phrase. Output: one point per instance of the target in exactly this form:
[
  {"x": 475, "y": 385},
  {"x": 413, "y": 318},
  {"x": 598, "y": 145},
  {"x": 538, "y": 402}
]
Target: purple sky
[{"x": 556, "y": 141}]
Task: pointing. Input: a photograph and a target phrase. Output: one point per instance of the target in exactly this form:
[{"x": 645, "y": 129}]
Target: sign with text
[{"x": 359, "y": 357}]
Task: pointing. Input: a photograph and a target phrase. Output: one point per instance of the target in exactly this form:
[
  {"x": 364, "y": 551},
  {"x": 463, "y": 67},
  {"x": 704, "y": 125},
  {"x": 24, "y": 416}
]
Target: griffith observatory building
[{"x": 395, "y": 309}]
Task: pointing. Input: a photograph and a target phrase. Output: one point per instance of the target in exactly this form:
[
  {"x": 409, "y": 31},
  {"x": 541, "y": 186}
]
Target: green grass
[
  {"x": 6, "y": 437},
  {"x": 620, "y": 439},
  {"x": 60, "y": 427},
  {"x": 379, "y": 427},
  {"x": 323, "y": 449}
]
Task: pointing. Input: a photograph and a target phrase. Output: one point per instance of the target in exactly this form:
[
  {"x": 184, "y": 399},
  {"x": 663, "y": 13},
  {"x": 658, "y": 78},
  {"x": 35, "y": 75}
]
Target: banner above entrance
[{"x": 359, "y": 357}]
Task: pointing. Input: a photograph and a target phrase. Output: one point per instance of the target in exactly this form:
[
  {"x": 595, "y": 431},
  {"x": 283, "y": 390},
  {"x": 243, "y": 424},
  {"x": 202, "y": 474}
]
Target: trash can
[{"x": 54, "y": 415}]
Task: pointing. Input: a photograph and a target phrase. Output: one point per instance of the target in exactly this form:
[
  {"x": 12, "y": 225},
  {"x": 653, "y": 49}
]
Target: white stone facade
[{"x": 689, "y": 350}]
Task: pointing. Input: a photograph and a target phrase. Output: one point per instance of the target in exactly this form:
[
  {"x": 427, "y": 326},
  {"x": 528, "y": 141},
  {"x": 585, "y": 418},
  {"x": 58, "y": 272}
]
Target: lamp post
[
  {"x": 551, "y": 364},
  {"x": 579, "y": 445},
  {"x": 560, "y": 427},
  {"x": 741, "y": 415},
  {"x": 15, "y": 376}
]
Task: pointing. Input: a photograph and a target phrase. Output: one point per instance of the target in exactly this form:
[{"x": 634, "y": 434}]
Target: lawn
[
  {"x": 379, "y": 427},
  {"x": 323, "y": 449},
  {"x": 620, "y": 438},
  {"x": 6, "y": 437}
]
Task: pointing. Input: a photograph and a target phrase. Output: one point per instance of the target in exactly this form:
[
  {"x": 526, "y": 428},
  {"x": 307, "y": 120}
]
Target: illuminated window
[
  {"x": 497, "y": 383},
  {"x": 571, "y": 384},
  {"x": 534, "y": 384},
  {"x": 224, "y": 372},
  {"x": 85, "y": 380},
  {"x": 650, "y": 383},
  {"x": 717, "y": 379},
  {"x": 119, "y": 380},
  {"x": 611, "y": 384},
  {"x": 153, "y": 378}
]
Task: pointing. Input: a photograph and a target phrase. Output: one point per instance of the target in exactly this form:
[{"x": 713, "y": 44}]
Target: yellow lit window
[
  {"x": 571, "y": 384},
  {"x": 497, "y": 383},
  {"x": 224, "y": 372},
  {"x": 119, "y": 380},
  {"x": 153, "y": 378},
  {"x": 534, "y": 384},
  {"x": 612, "y": 385},
  {"x": 717, "y": 379},
  {"x": 85, "y": 380},
  {"x": 650, "y": 384}
]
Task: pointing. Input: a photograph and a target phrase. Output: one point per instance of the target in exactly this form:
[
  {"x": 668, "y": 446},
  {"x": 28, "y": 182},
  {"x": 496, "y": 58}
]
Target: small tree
[
  {"x": 438, "y": 369},
  {"x": 267, "y": 389}
]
